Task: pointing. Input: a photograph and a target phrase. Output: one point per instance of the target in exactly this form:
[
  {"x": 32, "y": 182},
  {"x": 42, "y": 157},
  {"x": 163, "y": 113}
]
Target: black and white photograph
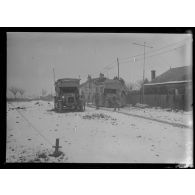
[{"x": 81, "y": 97}]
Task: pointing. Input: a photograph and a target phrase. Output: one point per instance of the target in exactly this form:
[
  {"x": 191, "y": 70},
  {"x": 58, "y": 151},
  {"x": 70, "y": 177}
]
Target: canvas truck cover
[
  {"x": 112, "y": 84},
  {"x": 67, "y": 82}
]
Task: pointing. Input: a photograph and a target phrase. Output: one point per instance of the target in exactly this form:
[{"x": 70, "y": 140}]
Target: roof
[
  {"x": 171, "y": 82},
  {"x": 68, "y": 79},
  {"x": 96, "y": 80},
  {"x": 175, "y": 74},
  {"x": 108, "y": 83},
  {"x": 67, "y": 82}
]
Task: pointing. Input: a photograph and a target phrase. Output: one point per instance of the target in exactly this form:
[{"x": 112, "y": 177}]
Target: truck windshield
[
  {"x": 109, "y": 91},
  {"x": 68, "y": 90}
]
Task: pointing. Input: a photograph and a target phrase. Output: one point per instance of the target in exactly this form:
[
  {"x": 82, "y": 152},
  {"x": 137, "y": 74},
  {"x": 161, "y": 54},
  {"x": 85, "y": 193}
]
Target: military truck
[
  {"x": 114, "y": 88},
  {"x": 107, "y": 90},
  {"x": 67, "y": 95}
]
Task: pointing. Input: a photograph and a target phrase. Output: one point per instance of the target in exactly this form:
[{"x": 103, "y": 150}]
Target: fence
[{"x": 180, "y": 101}]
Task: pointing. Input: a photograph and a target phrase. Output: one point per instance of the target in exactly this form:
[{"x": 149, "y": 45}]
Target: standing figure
[
  {"x": 83, "y": 101},
  {"x": 97, "y": 100},
  {"x": 88, "y": 99},
  {"x": 114, "y": 102},
  {"x": 118, "y": 102}
]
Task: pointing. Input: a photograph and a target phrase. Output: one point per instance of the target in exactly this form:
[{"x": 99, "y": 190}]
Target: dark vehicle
[
  {"x": 110, "y": 89},
  {"x": 67, "y": 95}
]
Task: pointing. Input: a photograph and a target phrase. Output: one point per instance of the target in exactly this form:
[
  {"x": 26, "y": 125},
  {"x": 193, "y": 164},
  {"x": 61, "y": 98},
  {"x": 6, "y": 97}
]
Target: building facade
[
  {"x": 105, "y": 88},
  {"x": 170, "y": 89}
]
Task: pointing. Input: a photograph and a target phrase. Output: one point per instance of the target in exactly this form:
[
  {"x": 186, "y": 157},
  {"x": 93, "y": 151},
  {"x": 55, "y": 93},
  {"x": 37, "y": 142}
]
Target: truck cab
[{"x": 67, "y": 95}]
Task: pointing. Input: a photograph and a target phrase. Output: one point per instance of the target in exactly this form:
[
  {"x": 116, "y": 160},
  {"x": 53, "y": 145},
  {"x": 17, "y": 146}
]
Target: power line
[
  {"x": 141, "y": 54},
  {"x": 108, "y": 67},
  {"x": 144, "y": 46},
  {"x": 133, "y": 57},
  {"x": 167, "y": 51}
]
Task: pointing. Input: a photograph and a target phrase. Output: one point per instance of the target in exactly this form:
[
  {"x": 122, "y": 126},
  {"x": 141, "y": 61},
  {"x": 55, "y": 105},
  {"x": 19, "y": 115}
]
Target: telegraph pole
[
  {"x": 54, "y": 75},
  {"x": 118, "y": 67},
  {"x": 144, "y": 45},
  {"x": 54, "y": 79}
]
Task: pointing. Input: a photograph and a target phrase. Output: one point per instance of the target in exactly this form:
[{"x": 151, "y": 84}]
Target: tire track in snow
[{"x": 147, "y": 118}]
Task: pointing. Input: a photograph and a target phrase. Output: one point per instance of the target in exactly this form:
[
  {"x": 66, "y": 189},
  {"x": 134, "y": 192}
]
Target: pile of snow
[
  {"x": 141, "y": 105},
  {"x": 17, "y": 108}
]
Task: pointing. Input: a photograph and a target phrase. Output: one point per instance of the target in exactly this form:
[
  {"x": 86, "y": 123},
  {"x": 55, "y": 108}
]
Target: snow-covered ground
[
  {"x": 179, "y": 118},
  {"x": 95, "y": 136},
  {"x": 167, "y": 115}
]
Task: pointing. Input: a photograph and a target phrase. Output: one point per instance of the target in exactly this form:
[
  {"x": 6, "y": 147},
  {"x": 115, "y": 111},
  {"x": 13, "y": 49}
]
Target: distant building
[{"x": 174, "y": 86}]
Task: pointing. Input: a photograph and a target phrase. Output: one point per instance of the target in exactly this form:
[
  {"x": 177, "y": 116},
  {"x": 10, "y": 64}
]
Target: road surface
[{"x": 93, "y": 136}]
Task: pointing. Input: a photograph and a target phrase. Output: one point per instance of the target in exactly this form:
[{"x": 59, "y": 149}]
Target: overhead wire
[
  {"x": 167, "y": 51},
  {"x": 156, "y": 50},
  {"x": 112, "y": 65}
]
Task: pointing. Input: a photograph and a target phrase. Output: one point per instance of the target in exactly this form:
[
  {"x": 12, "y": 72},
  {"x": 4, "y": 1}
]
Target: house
[
  {"x": 172, "y": 89},
  {"x": 92, "y": 85},
  {"x": 104, "y": 87}
]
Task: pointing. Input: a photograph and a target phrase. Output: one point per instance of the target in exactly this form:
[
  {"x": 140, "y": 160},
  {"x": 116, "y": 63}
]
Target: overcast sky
[{"x": 32, "y": 56}]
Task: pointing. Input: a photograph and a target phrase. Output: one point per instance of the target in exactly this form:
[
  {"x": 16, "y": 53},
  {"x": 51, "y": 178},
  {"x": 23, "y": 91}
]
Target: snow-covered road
[{"x": 93, "y": 136}]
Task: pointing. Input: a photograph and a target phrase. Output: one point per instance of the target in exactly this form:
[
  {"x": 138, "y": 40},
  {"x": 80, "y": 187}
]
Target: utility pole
[
  {"x": 118, "y": 67},
  {"x": 54, "y": 80},
  {"x": 144, "y": 45},
  {"x": 54, "y": 76}
]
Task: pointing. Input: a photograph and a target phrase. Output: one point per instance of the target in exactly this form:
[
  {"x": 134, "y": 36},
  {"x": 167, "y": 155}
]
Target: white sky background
[{"x": 31, "y": 56}]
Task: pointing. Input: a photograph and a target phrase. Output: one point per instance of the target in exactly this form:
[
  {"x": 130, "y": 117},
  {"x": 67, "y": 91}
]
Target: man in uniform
[
  {"x": 116, "y": 102},
  {"x": 83, "y": 101},
  {"x": 97, "y": 100}
]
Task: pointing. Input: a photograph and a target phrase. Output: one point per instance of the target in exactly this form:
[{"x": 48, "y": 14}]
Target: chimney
[{"x": 153, "y": 75}]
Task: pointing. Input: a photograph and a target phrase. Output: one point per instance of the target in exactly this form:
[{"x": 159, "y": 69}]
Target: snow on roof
[
  {"x": 170, "y": 82},
  {"x": 68, "y": 79},
  {"x": 174, "y": 74}
]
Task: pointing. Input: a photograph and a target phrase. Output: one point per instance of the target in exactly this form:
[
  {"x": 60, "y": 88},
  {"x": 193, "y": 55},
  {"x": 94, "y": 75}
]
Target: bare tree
[
  {"x": 139, "y": 83},
  {"x": 14, "y": 91},
  {"x": 21, "y": 91}
]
